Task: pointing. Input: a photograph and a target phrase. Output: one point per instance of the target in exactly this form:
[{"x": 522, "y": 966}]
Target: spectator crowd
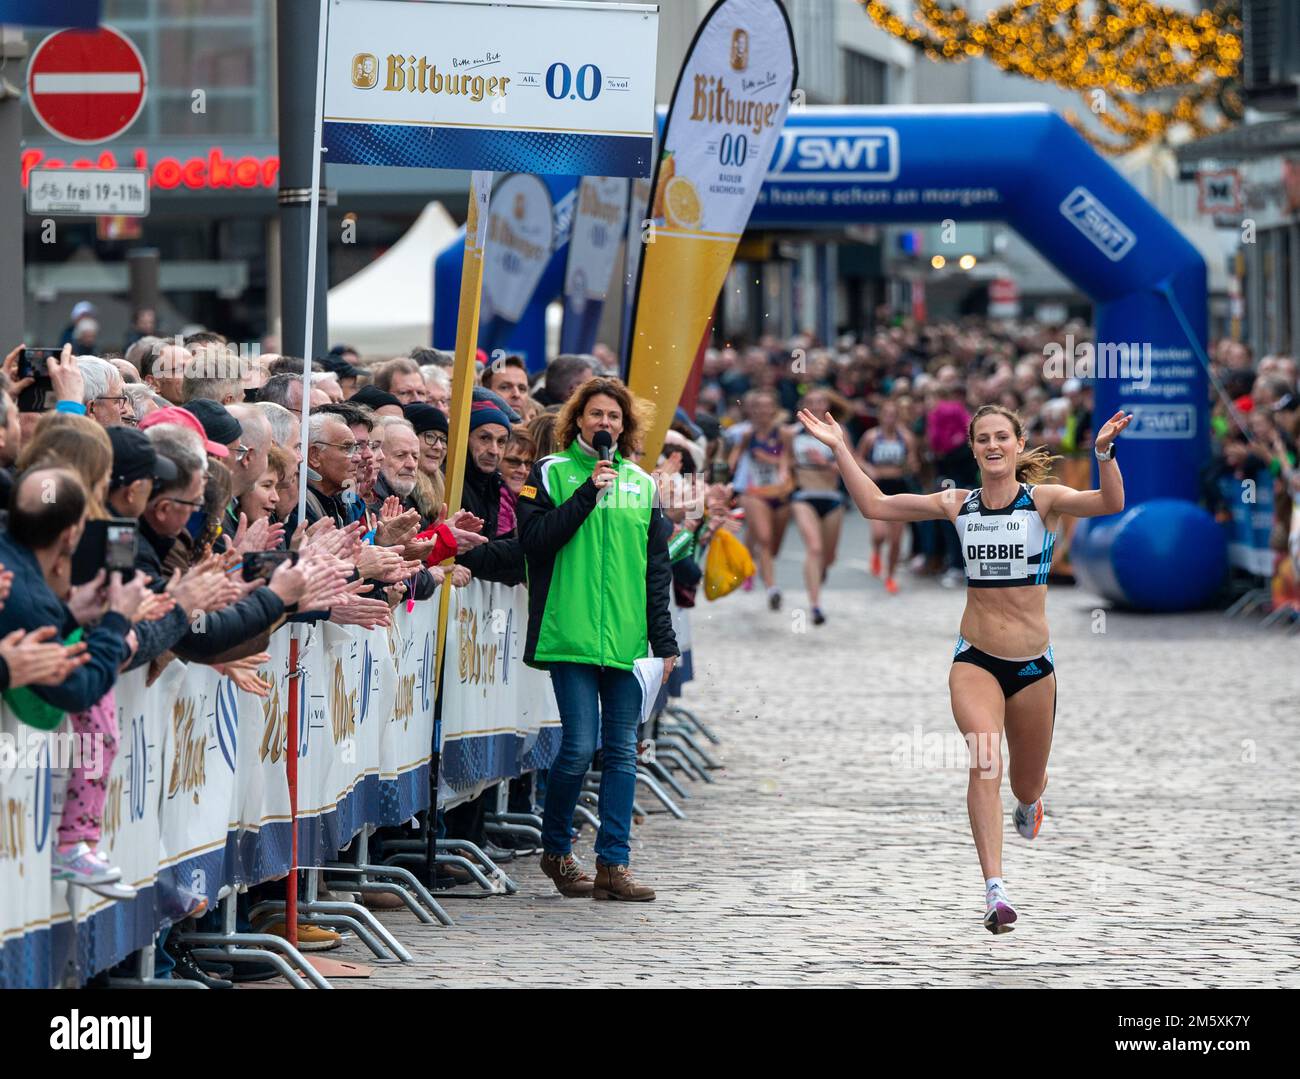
[
  {"x": 153, "y": 510},
  {"x": 153, "y": 516}
]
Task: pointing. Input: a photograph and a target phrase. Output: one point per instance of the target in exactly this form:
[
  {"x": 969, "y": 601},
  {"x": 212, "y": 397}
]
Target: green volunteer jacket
[{"x": 598, "y": 571}]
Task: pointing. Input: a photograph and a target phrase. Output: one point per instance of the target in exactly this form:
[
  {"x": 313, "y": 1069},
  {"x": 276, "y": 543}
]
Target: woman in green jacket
[{"x": 595, "y": 542}]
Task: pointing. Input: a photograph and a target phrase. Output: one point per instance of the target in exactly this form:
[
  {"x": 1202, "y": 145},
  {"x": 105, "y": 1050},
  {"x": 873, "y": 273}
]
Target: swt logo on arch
[{"x": 836, "y": 153}]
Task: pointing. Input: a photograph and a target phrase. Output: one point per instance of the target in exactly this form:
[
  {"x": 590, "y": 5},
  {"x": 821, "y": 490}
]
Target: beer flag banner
[
  {"x": 565, "y": 88},
  {"x": 593, "y": 244},
  {"x": 520, "y": 238},
  {"x": 638, "y": 204},
  {"x": 726, "y": 115}
]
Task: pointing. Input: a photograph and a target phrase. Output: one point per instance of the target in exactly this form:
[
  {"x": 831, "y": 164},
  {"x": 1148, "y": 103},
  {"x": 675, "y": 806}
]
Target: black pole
[
  {"x": 13, "y": 54},
  {"x": 297, "y": 28}
]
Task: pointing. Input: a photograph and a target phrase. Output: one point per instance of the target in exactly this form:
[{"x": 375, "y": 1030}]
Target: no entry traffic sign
[{"x": 86, "y": 85}]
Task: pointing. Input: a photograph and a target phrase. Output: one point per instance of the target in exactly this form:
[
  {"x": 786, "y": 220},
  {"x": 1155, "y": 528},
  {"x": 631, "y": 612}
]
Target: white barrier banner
[
  {"x": 405, "y": 710},
  {"x": 27, "y": 828},
  {"x": 494, "y": 706},
  {"x": 197, "y": 795}
]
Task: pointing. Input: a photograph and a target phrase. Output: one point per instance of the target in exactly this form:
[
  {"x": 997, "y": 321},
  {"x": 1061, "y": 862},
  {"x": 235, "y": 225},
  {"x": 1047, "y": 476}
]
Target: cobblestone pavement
[{"x": 835, "y": 850}]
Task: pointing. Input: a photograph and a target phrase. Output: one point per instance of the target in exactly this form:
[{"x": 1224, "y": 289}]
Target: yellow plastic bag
[{"x": 727, "y": 564}]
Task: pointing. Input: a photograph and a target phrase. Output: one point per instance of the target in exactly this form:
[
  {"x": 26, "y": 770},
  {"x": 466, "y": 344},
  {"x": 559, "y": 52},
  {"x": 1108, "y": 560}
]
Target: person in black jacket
[
  {"x": 501, "y": 558},
  {"x": 46, "y": 518}
]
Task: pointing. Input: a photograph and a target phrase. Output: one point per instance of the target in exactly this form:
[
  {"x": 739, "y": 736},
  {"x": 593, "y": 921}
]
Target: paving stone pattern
[{"x": 834, "y": 849}]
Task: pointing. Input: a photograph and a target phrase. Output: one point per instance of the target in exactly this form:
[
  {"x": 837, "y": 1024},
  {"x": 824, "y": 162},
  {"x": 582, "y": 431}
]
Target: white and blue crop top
[{"x": 1007, "y": 547}]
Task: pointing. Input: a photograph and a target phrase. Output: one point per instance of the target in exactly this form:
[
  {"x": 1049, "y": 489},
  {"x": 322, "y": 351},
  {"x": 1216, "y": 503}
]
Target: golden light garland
[{"x": 1111, "y": 52}]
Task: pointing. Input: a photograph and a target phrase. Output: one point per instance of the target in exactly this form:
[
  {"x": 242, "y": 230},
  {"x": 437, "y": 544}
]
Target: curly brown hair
[{"x": 636, "y": 413}]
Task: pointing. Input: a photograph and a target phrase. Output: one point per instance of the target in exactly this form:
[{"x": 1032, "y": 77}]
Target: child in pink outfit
[{"x": 75, "y": 856}]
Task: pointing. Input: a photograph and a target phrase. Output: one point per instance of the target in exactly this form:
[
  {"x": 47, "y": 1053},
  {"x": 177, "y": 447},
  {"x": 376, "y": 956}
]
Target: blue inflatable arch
[{"x": 1025, "y": 166}]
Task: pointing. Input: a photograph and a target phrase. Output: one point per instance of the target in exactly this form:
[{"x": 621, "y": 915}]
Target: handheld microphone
[{"x": 603, "y": 444}]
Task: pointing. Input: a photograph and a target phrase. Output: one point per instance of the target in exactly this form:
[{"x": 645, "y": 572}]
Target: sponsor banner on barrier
[
  {"x": 198, "y": 794},
  {"x": 405, "y": 710},
  {"x": 597, "y": 229},
  {"x": 527, "y": 87},
  {"x": 495, "y": 708},
  {"x": 258, "y": 831},
  {"x": 724, "y": 122},
  {"x": 27, "y": 830}
]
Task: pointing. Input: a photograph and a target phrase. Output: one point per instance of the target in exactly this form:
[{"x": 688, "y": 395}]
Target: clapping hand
[
  {"x": 394, "y": 530},
  {"x": 36, "y": 659},
  {"x": 261, "y": 535},
  {"x": 243, "y": 672}
]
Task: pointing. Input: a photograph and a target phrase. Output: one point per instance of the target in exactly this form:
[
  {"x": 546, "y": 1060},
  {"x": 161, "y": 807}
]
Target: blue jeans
[{"x": 593, "y": 699}]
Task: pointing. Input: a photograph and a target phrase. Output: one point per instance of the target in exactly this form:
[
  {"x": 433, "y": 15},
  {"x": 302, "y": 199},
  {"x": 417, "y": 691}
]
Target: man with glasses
[
  {"x": 332, "y": 453},
  {"x": 104, "y": 393},
  {"x": 370, "y": 448},
  {"x": 162, "y": 366},
  {"x": 250, "y": 459}
]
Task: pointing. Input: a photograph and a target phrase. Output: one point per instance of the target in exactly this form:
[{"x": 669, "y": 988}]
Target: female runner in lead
[{"x": 1002, "y": 675}]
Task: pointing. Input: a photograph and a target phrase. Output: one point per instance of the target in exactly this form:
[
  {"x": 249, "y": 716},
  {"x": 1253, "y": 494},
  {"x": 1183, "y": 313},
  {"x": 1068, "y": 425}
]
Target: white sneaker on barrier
[{"x": 82, "y": 865}]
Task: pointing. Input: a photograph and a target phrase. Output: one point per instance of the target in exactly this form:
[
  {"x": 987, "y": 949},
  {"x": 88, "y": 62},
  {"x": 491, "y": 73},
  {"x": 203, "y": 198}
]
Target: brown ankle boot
[
  {"x": 615, "y": 882},
  {"x": 566, "y": 872}
]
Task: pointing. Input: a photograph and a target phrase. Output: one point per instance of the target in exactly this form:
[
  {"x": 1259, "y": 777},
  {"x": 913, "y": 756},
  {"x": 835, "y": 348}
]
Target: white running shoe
[
  {"x": 83, "y": 865},
  {"x": 114, "y": 890},
  {"x": 1028, "y": 818},
  {"x": 999, "y": 913}
]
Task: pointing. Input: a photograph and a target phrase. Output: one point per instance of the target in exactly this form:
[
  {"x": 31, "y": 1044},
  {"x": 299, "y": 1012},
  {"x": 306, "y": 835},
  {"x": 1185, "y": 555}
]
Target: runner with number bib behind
[
  {"x": 887, "y": 453},
  {"x": 761, "y": 461},
  {"x": 818, "y": 500}
]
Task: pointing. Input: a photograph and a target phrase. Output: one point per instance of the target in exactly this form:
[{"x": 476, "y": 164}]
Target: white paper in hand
[{"x": 650, "y": 673}]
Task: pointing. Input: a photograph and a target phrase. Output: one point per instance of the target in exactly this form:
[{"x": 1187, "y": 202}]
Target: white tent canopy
[{"x": 387, "y": 308}]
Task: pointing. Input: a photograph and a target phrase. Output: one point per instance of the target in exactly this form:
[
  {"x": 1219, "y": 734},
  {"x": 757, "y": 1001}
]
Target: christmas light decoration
[{"x": 1145, "y": 70}]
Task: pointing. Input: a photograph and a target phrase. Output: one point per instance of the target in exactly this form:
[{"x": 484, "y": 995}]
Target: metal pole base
[
  {"x": 678, "y": 712},
  {"x": 507, "y": 885},
  {"x": 264, "y": 948},
  {"x": 648, "y": 781}
]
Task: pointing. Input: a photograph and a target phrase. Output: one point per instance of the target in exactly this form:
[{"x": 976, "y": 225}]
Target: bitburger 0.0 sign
[{"x": 564, "y": 88}]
